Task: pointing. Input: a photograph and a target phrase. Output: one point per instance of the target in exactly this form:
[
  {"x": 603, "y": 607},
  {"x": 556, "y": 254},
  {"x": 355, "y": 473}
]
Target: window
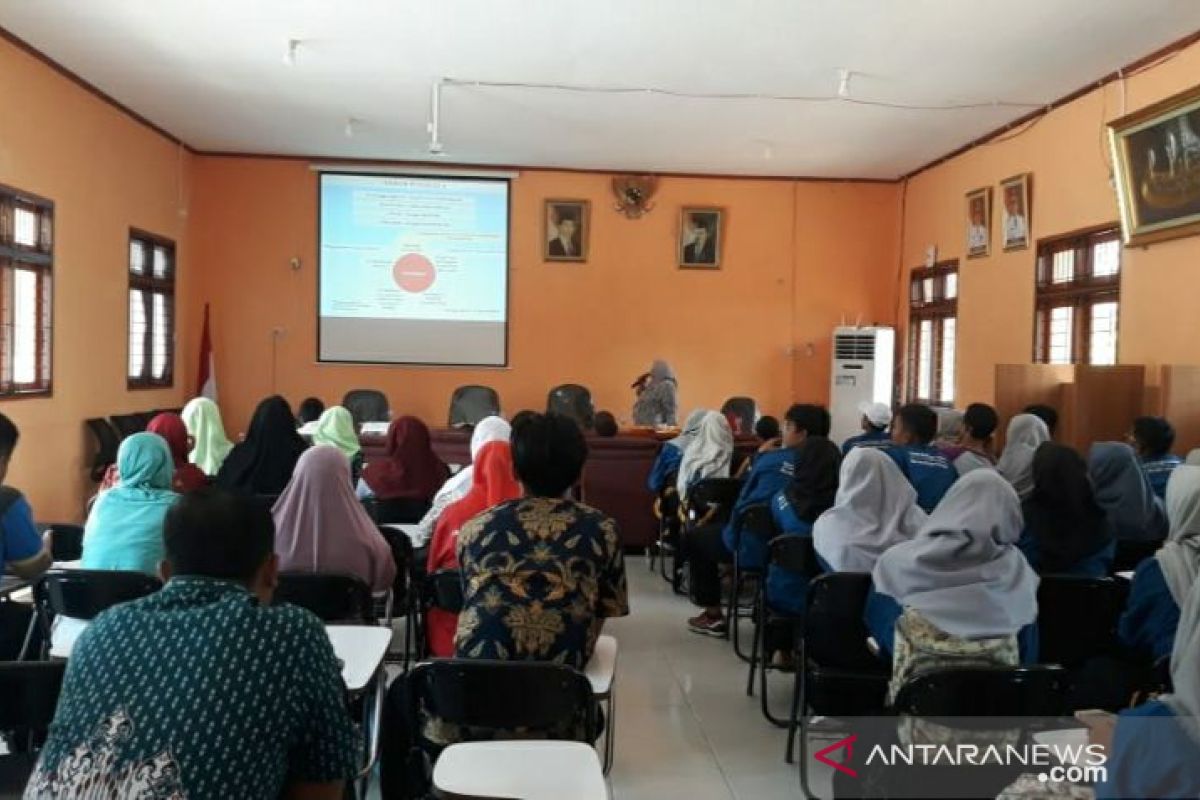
[
  {"x": 1078, "y": 298},
  {"x": 151, "y": 311},
  {"x": 26, "y": 293},
  {"x": 933, "y": 325}
]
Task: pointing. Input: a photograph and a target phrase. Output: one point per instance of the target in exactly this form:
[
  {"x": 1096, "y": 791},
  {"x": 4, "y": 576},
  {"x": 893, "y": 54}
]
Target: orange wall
[
  {"x": 1067, "y": 152},
  {"x": 105, "y": 172},
  {"x": 798, "y": 256}
]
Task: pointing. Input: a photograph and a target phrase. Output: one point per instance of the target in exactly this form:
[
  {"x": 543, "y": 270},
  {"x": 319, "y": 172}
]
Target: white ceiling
[{"x": 212, "y": 72}]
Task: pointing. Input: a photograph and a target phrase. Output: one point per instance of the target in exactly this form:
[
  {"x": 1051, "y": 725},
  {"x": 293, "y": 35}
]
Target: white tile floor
[{"x": 685, "y": 727}]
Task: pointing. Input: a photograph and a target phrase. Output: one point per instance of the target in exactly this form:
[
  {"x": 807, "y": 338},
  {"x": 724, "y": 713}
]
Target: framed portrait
[
  {"x": 979, "y": 222},
  {"x": 1015, "y": 213},
  {"x": 700, "y": 237},
  {"x": 1156, "y": 154},
  {"x": 568, "y": 223}
]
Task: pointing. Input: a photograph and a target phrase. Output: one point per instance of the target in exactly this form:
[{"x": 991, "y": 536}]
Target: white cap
[{"x": 878, "y": 414}]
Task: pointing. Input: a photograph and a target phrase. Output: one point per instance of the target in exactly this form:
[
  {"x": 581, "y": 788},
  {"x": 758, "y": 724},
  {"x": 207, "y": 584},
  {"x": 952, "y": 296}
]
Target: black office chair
[
  {"x": 471, "y": 404},
  {"x": 445, "y": 590},
  {"x": 1129, "y": 554},
  {"x": 66, "y": 543},
  {"x": 84, "y": 593},
  {"x": 837, "y": 675},
  {"x": 128, "y": 424},
  {"x": 396, "y": 511},
  {"x": 333, "y": 598},
  {"x": 30, "y": 690},
  {"x": 1036, "y": 691},
  {"x": 1077, "y": 618},
  {"x": 776, "y": 631},
  {"x": 754, "y": 522},
  {"x": 574, "y": 401},
  {"x": 367, "y": 405},
  {"x": 666, "y": 510},
  {"x": 709, "y": 502},
  {"x": 745, "y": 410},
  {"x": 107, "y": 443}
]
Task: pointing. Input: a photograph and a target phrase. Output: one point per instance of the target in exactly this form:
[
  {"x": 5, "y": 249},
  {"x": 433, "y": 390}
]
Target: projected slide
[{"x": 413, "y": 269}]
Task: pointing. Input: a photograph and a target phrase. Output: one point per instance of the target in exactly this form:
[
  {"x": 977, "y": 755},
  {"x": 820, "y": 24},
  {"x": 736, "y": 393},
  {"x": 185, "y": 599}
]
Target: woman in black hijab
[
  {"x": 1066, "y": 531},
  {"x": 263, "y": 463}
]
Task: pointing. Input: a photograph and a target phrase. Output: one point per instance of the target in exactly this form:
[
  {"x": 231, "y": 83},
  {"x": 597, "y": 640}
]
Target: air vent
[{"x": 854, "y": 347}]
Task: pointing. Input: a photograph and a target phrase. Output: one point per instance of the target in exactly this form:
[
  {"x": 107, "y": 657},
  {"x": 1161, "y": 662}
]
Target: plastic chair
[
  {"x": 1037, "y": 691},
  {"x": 472, "y": 403},
  {"x": 66, "y": 543},
  {"x": 30, "y": 690},
  {"x": 333, "y": 598},
  {"x": 574, "y": 401},
  {"x": 1077, "y": 618},
  {"x": 83, "y": 593},
  {"x": 601, "y": 672},
  {"x": 107, "y": 443},
  {"x": 772, "y": 628},
  {"x": 745, "y": 411},
  {"x": 367, "y": 405},
  {"x": 756, "y": 522},
  {"x": 837, "y": 674}
]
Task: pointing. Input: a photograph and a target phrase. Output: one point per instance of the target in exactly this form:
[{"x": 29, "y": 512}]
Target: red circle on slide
[{"x": 413, "y": 272}]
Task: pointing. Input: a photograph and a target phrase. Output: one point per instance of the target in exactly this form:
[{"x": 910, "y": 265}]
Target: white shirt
[
  {"x": 977, "y": 237},
  {"x": 1015, "y": 229}
]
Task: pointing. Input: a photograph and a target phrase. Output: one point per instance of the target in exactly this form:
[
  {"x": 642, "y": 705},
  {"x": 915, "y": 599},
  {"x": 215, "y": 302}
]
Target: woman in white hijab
[
  {"x": 489, "y": 429},
  {"x": 709, "y": 455},
  {"x": 960, "y": 593},
  {"x": 1162, "y": 584},
  {"x": 876, "y": 507},
  {"x": 670, "y": 456},
  {"x": 1026, "y": 433},
  {"x": 1155, "y": 747}
]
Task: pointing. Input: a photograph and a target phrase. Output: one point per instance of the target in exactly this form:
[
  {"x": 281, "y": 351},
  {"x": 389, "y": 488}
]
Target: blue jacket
[
  {"x": 1151, "y": 613},
  {"x": 868, "y": 439},
  {"x": 1159, "y": 471},
  {"x": 1151, "y": 756},
  {"x": 666, "y": 464},
  {"x": 19, "y": 539},
  {"x": 772, "y": 471},
  {"x": 928, "y": 470}
]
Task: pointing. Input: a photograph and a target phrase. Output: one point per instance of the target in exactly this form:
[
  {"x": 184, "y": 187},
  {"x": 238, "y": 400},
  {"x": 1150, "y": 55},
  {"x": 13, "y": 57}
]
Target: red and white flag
[{"x": 206, "y": 378}]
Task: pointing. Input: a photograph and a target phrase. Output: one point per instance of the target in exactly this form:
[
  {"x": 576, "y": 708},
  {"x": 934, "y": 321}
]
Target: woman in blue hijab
[{"x": 124, "y": 530}]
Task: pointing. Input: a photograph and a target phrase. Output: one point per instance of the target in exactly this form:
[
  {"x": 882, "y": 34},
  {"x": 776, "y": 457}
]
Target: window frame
[
  {"x": 150, "y": 285},
  {"x": 38, "y": 259},
  {"x": 936, "y": 309},
  {"x": 1082, "y": 293}
]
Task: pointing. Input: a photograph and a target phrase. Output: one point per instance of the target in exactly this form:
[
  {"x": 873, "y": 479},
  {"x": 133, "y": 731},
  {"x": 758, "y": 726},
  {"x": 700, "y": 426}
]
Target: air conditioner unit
[{"x": 862, "y": 372}]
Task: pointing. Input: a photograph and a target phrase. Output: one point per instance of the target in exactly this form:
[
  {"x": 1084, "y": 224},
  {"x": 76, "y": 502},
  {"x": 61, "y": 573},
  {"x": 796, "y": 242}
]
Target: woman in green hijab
[
  {"x": 125, "y": 529},
  {"x": 210, "y": 445},
  {"x": 335, "y": 427}
]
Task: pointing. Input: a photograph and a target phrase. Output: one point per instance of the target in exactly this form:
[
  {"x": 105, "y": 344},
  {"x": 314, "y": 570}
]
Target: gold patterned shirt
[{"x": 540, "y": 575}]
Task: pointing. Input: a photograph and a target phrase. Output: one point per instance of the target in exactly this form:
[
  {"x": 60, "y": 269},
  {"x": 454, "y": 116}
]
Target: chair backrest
[
  {"x": 1038, "y": 691},
  {"x": 717, "y": 494},
  {"x": 446, "y": 590},
  {"x": 795, "y": 554},
  {"x": 471, "y": 404},
  {"x": 84, "y": 593},
  {"x": 745, "y": 410},
  {"x": 128, "y": 424},
  {"x": 66, "y": 542},
  {"x": 398, "y": 510},
  {"x": 537, "y": 697},
  {"x": 757, "y": 521},
  {"x": 835, "y": 634},
  {"x": 1077, "y": 617},
  {"x": 367, "y": 405},
  {"x": 574, "y": 401},
  {"x": 30, "y": 690},
  {"x": 403, "y": 555},
  {"x": 107, "y": 443},
  {"x": 333, "y": 598}
]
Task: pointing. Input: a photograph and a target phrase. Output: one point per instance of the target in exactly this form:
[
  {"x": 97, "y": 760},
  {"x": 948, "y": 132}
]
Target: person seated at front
[
  {"x": 1026, "y": 433},
  {"x": 670, "y": 455},
  {"x": 930, "y": 472},
  {"x": 960, "y": 593},
  {"x": 1162, "y": 583},
  {"x": 187, "y": 476},
  {"x": 605, "y": 425},
  {"x": 203, "y": 689},
  {"x": 409, "y": 474},
  {"x": 1154, "y": 748},
  {"x": 973, "y": 448},
  {"x": 22, "y": 551},
  {"x": 709, "y": 546},
  {"x": 1047, "y": 414},
  {"x": 540, "y": 573},
  {"x": 263, "y": 462},
  {"x": 311, "y": 409},
  {"x": 875, "y": 420},
  {"x": 322, "y": 527},
  {"x": 335, "y": 427},
  {"x": 1066, "y": 531},
  {"x": 1153, "y": 438}
]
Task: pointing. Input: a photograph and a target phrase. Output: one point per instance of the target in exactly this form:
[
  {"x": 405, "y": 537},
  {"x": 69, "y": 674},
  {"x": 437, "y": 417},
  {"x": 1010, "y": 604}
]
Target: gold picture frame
[
  {"x": 979, "y": 222},
  {"x": 701, "y": 235},
  {"x": 1016, "y": 213},
  {"x": 1156, "y": 157},
  {"x": 567, "y": 226}
]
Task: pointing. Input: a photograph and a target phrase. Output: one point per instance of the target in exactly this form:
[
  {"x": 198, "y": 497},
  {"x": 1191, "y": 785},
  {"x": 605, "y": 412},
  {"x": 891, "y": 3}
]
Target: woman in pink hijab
[{"x": 320, "y": 526}]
